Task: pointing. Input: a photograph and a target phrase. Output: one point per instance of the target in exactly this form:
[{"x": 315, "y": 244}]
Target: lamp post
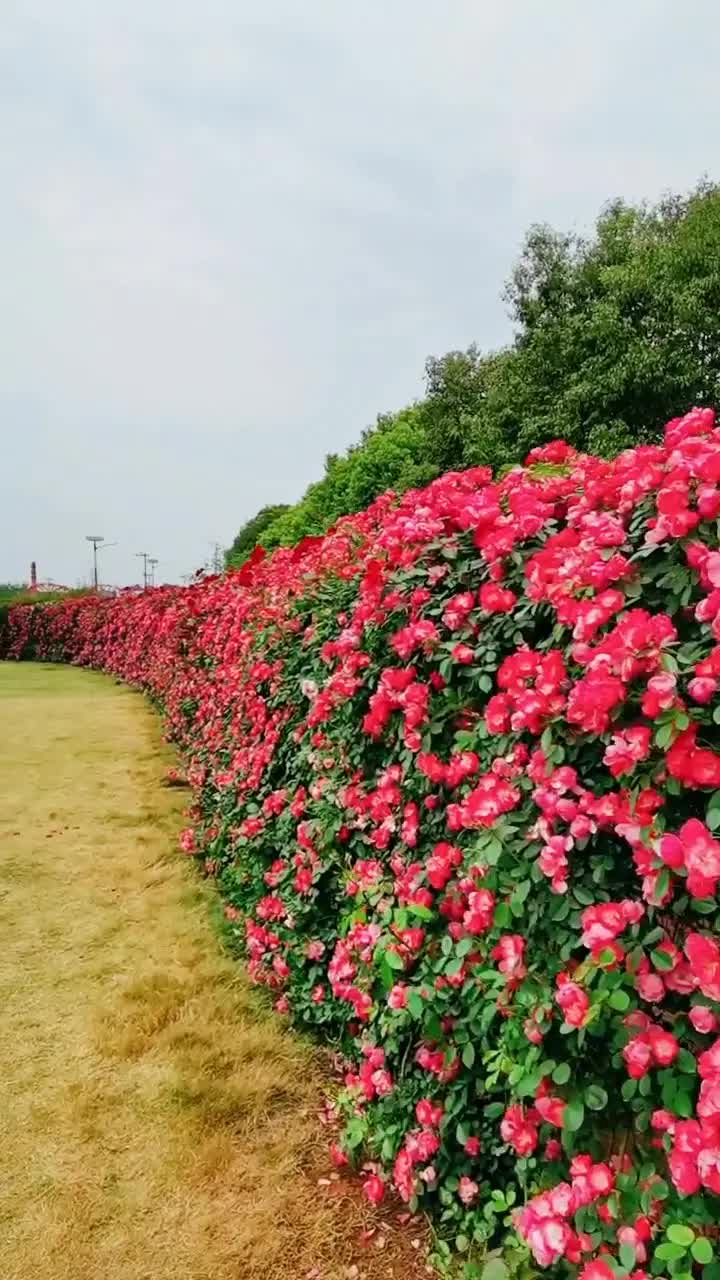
[
  {"x": 97, "y": 541},
  {"x": 152, "y": 562}
]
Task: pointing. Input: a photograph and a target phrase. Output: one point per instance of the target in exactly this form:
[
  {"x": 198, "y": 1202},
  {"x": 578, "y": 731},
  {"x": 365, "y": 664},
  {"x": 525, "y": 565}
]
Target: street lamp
[
  {"x": 97, "y": 541},
  {"x": 152, "y": 562}
]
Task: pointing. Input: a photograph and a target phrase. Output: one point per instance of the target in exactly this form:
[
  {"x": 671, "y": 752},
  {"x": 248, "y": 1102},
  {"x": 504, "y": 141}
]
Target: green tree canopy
[
  {"x": 613, "y": 332},
  {"x": 390, "y": 455},
  {"x": 251, "y": 533}
]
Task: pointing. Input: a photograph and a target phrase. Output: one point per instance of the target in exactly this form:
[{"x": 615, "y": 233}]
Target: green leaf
[
  {"x": 662, "y": 960},
  {"x": 417, "y": 909},
  {"x": 650, "y": 939},
  {"x": 686, "y": 1063},
  {"x": 712, "y": 817},
  {"x": 702, "y": 1250},
  {"x": 415, "y": 1004},
  {"x": 394, "y": 960},
  {"x": 714, "y": 802},
  {"x": 662, "y": 884},
  {"x": 502, "y": 915},
  {"x": 574, "y": 1115},
  {"x": 583, "y": 896},
  {"x": 495, "y": 1269},
  {"x": 468, "y": 1054},
  {"x": 669, "y": 1252},
  {"x": 354, "y": 1134},
  {"x": 561, "y": 1074},
  {"x": 683, "y": 1105},
  {"x": 522, "y": 890},
  {"x": 595, "y": 1097},
  {"x": 627, "y": 1256},
  {"x": 678, "y": 1233},
  {"x": 619, "y": 999}
]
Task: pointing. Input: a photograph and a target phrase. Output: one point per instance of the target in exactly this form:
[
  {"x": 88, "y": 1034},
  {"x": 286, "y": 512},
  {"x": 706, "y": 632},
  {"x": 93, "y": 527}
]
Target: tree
[
  {"x": 250, "y": 534},
  {"x": 453, "y": 415},
  {"x": 390, "y": 455},
  {"x": 617, "y": 333}
]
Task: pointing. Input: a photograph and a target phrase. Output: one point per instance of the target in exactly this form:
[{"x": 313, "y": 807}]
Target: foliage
[
  {"x": 614, "y": 334},
  {"x": 457, "y": 769},
  {"x": 617, "y": 333},
  {"x": 454, "y": 414},
  {"x": 250, "y": 535},
  {"x": 391, "y": 455}
]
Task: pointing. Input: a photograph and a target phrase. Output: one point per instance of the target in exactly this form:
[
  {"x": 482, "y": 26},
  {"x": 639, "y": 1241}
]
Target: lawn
[{"x": 158, "y": 1121}]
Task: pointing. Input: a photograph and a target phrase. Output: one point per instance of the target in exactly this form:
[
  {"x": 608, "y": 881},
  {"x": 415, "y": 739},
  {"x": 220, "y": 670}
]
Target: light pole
[
  {"x": 97, "y": 540},
  {"x": 152, "y": 562},
  {"x": 98, "y": 544}
]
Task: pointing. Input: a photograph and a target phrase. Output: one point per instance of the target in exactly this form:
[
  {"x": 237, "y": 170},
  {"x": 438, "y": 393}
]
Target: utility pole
[
  {"x": 153, "y": 562},
  {"x": 145, "y": 557},
  {"x": 97, "y": 541}
]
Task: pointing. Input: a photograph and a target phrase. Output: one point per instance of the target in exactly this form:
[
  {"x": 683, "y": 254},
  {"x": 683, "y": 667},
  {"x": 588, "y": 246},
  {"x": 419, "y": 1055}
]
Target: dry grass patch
[{"x": 158, "y": 1123}]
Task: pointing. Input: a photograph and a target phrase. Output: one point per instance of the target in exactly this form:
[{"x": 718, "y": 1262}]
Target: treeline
[{"x": 611, "y": 333}]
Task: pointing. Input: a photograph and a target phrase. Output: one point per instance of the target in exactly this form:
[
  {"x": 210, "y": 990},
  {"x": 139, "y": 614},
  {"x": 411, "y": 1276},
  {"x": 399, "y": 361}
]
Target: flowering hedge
[{"x": 457, "y": 772}]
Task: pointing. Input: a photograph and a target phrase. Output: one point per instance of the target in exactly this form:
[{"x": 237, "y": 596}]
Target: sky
[{"x": 231, "y": 232}]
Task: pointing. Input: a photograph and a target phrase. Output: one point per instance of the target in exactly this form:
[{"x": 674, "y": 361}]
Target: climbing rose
[
  {"x": 467, "y": 1190},
  {"x": 572, "y": 1000}
]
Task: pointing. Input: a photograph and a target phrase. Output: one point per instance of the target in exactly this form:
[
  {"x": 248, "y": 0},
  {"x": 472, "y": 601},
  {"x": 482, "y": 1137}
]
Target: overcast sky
[{"x": 232, "y": 230}]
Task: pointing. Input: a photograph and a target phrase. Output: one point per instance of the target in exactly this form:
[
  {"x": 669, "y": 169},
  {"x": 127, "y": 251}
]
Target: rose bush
[{"x": 457, "y": 773}]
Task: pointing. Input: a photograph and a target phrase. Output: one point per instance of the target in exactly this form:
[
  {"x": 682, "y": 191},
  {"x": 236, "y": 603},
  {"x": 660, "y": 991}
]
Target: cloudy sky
[{"x": 231, "y": 231}]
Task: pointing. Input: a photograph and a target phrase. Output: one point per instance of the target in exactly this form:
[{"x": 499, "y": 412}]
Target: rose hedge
[{"x": 457, "y": 772}]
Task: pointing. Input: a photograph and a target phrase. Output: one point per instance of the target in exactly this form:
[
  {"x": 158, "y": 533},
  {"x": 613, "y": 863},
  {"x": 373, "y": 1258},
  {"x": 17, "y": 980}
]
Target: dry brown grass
[{"x": 157, "y": 1122}]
